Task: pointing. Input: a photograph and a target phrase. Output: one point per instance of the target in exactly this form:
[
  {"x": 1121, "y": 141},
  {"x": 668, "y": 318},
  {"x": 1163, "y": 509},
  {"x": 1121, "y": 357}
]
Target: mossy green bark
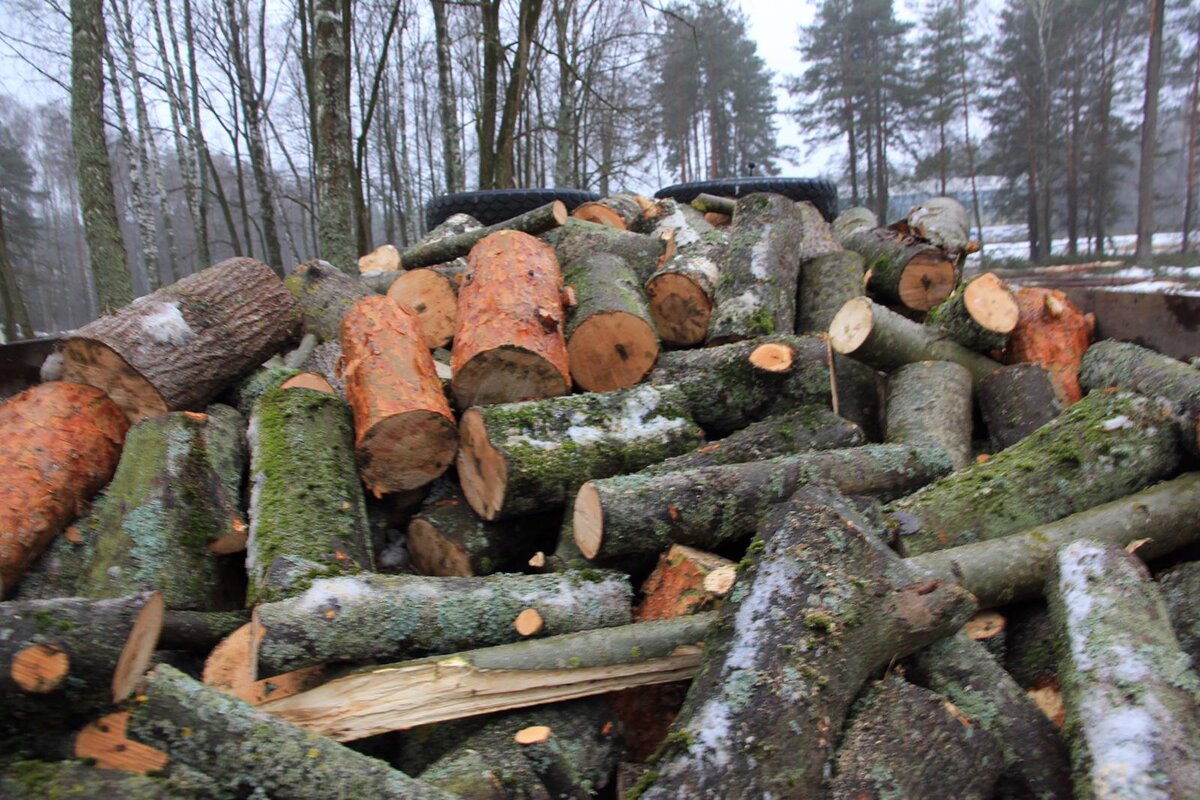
[
  {"x": 362, "y": 617},
  {"x": 1106, "y": 446},
  {"x": 249, "y": 751},
  {"x": 713, "y": 506},
  {"x": 1128, "y": 689},
  {"x": 929, "y": 403},
  {"x": 952, "y": 318},
  {"x": 325, "y": 293},
  {"x": 57, "y": 572},
  {"x": 57, "y": 780},
  {"x": 306, "y": 500},
  {"x": 579, "y": 238},
  {"x": 1015, "y": 401},
  {"x": 604, "y": 283},
  {"x": 177, "y": 489},
  {"x": 726, "y": 392},
  {"x": 1180, "y": 588},
  {"x": 259, "y": 382},
  {"x": 827, "y": 282}
]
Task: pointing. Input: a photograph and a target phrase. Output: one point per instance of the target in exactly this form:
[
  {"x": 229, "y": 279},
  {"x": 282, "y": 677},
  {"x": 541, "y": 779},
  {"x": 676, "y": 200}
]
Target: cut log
[
  {"x": 718, "y": 220},
  {"x": 47, "y": 779},
  {"x": 881, "y": 338},
  {"x": 1180, "y": 587},
  {"x": 686, "y": 581},
  {"x": 325, "y": 295},
  {"x": 501, "y": 678},
  {"x": 306, "y": 501},
  {"x": 1054, "y": 333},
  {"x": 685, "y": 223},
  {"x": 103, "y": 741},
  {"x": 173, "y": 505},
  {"x": 404, "y": 432},
  {"x": 230, "y": 668},
  {"x": 270, "y": 376},
  {"x": 929, "y": 404},
  {"x": 198, "y": 631},
  {"x": 455, "y": 224},
  {"x": 176, "y": 349},
  {"x": 942, "y": 221},
  {"x": 509, "y": 342},
  {"x": 980, "y": 314},
  {"x": 356, "y": 618},
  {"x": 532, "y": 223},
  {"x": 611, "y": 341},
  {"x": 858, "y": 394},
  {"x": 432, "y": 294},
  {"x": 519, "y": 458},
  {"x": 1138, "y": 369},
  {"x": 681, "y": 293},
  {"x": 385, "y": 258},
  {"x": 620, "y": 211},
  {"x": 577, "y": 239},
  {"x": 226, "y": 739},
  {"x": 1129, "y": 691},
  {"x": 57, "y": 572},
  {"x": 705, "y": 203},
  {"x": 1106, "y": 446},
  {"x": 60, "y": 442},
  {"x": 905, "y": 741},
  {"x": 549, "y": 761},
  {"x": 1015, "y": 566},
  {"x": 1015, "y": 401},
  {"x": 785, "y": 659},
  {"x": 711, "y": 506},
  {"x": 853, "y": 221},
  {"x": 756, "y": 293},
  {"x": 827, "y": 282},
  {"x": 902, "y": 270},
  {"x": 66, "y": 659},
  {"x": 727, "y": 389},
  {"x": 987, "y": 628},
  {"x": 325, "y": 361},
  {"x": 966, "y": 674}
]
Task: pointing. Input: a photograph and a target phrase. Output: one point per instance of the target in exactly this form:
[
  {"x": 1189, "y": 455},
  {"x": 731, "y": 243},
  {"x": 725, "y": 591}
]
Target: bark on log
[
  {"x": 785, "y": 658},
  {"x": 756, "y": 294},
  {"x": 1015, "y": 567},
  {"x": 942, "y": 221},
  {"x": 325, "y": 361},
  {"x": 681, "y": 293},
  {"x": 1106, "y": 446},
  {"x": 57, "y": 572},
  {"x": 244, "y": 749},
  {"x": 904, "y": 741},
  {"x": 48, "y": 779},
  {"x": 519, "y": 458},
  {"x": 684, "y": 222},
  {"x": 65, "y": 659},
  {"x": 500, "y": 678},
  {"x": 980, "y": 314},
  {"x": 1054, "y": 333},
  {"x": 1015, "y": 401},
  {"x": 404, "y": 432},
  {"x": 60, "y": 442},
  {"x": 963, "y": 671},
  {"x": 1030, "y": 658},
  {"x": 177, "y": 348},
  {"x": 356, "y": 618},
  {"x": 619, "y": 211},
  {"x": 853, "y": 221},
  {"x": 173, "y": 505},
  {"x": 306, "y": 501},
  {"x": 705, "y": 203},
  {"x": 432, "y": 294},
  {"x": 429, "y": 253},
  {"x": 827, "y": 282},
  {"x": 270, "y": 376},
  {"x": 509, "y": 342},
  {"x": 709, "y": 507},
  {"x": 884, "y": 340},
  {"x": 901, "y": 270},
  {"x": 548, "y": 759},
  {"x": 577, "y": 239},
  {"x": 325, "y": 295},
  {"x": 731, "y": 386},
  {"x": 1138, "y": 369},
  {"x": 198, "y": 631},
  {"x": 1129, "y": 691},
  {"x": 611, "y": 341},
  {"x": 858, "y": 394},
  {"x": 1180, "y": 588},
  {"x": 686, "y": 581},
  {"x": 929, "y": 404}
]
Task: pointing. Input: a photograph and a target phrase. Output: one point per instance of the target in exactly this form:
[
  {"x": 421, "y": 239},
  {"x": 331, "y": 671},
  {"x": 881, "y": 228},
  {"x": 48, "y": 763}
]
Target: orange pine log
[
  {"x": 1054, "y": 333},
  {"x": 508, "y": 344},
  {"x": 404, "y": 432},
  {"x": 686, "y": 581},
  {"x": 59, "y": 444}
]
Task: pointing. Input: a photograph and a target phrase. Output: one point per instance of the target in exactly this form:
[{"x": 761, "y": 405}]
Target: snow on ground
[{"x": 1012, "y": 241}]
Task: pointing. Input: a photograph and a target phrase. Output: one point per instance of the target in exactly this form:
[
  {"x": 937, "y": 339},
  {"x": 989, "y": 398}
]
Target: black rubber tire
[
  {"x": 822, "y": 194},
  {"x": 497, "y": 205}
]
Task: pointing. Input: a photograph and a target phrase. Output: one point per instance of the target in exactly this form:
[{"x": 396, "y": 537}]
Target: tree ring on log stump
[
  {"x": 97, "y": 364},
  {"x": 407, "y": 451},
  {"x": 991, "y": 304},
  {"x": 928, "y": 279},
  {"x": 434, "y": 554},
  {"x": 139, "y": 648},
  {"x": 592, "y": 344},
  {"x": 851, "y": 326},
  {"x": 507, "y": 374},
  {"x": 308, "y": 380},
  {"x": 430, "y": 295},
  {"x": 534, "y": 734},
  {"x": 588, "y": 520},
  {"x": 482, "y": 470},
  {"x": 773, "y": 357},
  {"x": 680, "y": 307},
  {"x": 40, "y": 669}
]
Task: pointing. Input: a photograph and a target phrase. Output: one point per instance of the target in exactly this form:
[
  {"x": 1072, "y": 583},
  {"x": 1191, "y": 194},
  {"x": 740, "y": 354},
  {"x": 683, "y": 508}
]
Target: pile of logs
[{"x": 652, "y": 500}]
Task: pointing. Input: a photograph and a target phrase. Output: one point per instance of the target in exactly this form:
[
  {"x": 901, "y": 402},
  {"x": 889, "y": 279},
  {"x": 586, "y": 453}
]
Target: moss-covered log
[
  {"x": 821, "y": 605},
  {"x": 306, "y": 500},
  {"x": 904, "y": 741},
  {"x": 1129, "y": 691},
  {"x": 827, "y": 282},
  {"x": 356, "y": 618},
  {"x": 247, "y": 750},
  {"x": 979, "y": 314},
  {"x": 858, "y": 395},
  {"x": 1138, "y": 369},
  {"x": 271, "y": 375},
  {"x": 756, "y": 294},
  {"x": 432, "y": 294},
  {"x": 1015, "y": 401},
  {"x": 519, "y": 458},
  {"x": 731, "y": 386},
  {"x": 1180, "y": 589},
  {"x": 881, "y": 338},
  {"x": 681, "y": 293},
  {"x": 173, "y": 505},
  {"x": 929, "y": 403},
  {"x": 643, "y": 253},
  {"x": 439, "y": 251},
  {"x": 55, "y": 779},
  {"x": 712, "y": 506},
  {"x": 325, "y": 294},
  {"x": 56, "y": 573},
  {"x": 1106, "y": 446},
  {"x": 966, "y": 674},
  {"x": 902, "y": 270},
  {"x": 1015, "y": 566}
]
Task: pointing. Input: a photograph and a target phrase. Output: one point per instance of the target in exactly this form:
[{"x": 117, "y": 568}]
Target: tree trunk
[
  {"x": 929, "y": 405},
  {"x": 16, "y": 316},
  {"x": 400, "y": 616},
  {"x": 61, "y": 442},
  {"x": 1054, "y": 333},
  {"x": 827, "y": 283},
  {"x": 404, "y": 432},
  {"x": 681, "y": 294},
  {"x": 331, "y": 111},
  {"x": 520, "y": 458},
  {"x": 325, "y": 295},
  {"x": 527, "y": 28},
  {"x": 903, "y": 271},
  {"x": 179, "y": 347},
  {"x": 1145, "y": 209},
  {"x": 979, "y": 314},
  {"x": 712, "y": 506},
  {"x": 1015, "y": 401},
  {"x": 198, "y": 631},
  {"x": 1105, "y": 446},
  {"x": 432, "y": 251},
  {"x": 943, "y": 222},
  {"x": 783, "y": 661},
  {"x": 447, "y": 103},
  {"x": 432, "y": 294}
]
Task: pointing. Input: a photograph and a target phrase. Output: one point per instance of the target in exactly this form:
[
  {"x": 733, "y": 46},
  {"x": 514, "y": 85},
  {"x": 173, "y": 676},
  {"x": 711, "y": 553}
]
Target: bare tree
[
  {"x": 1145, "y": 213},
  {"x": 331, "y": 110}
]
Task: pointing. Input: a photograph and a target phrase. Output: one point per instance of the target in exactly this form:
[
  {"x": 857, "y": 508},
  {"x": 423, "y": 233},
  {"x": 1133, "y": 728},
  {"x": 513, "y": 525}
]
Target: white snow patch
[
  {"x": 753, "y": 614},
  {"x": 707, "y": 268},
  {"x": 1122, "y": 743},
  {"x": 343, "y": 590},
  {"x": 760, "y": 253},
  {"x": 711, "y": 733},
  {"x": 1074, "y": 570},
  {"x": 1157, "y": 287},
  {"x": 685, "y": 234},
  {"x": 257, "y": 479},
  {"x": 165, "y": 324},
  {"x": 1117, "y": 423}
]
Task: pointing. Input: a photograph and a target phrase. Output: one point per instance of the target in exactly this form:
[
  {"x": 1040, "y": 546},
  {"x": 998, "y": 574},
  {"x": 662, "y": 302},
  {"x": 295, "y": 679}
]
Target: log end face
[
  {"x": 680, "y": 308},
  {"x": 434, "y": 554},
  {"x": 431, "y": 296},
  {"x": 612, "y": 351},
  {"x": 774, "y": 357},
  {"x": 482, "y": 470},
  {"x": 407, "y": 451},
  {"x": 558, "y": 211},
  {"x": 507, "y": 375},
  {"x": 308, "y": 380},
  {"x": 992, "y": 304},
  {"x": 851, "y": 326},
  {"x": 588, "y": 519},
  {"x": 529, "y": 622},
  {"x": 600, "y": 214},
  {"x": 927, "y": 280},
  {"x": 139, "y": 647},
  {"x": 534, "y": 734},
  {"x": 90, "y": 362},
  {"x": 40, "y": 668}
]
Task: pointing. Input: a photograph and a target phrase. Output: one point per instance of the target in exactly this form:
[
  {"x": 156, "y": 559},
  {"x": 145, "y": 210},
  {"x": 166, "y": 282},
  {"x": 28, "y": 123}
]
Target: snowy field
[{"x": 1012, "y": 241}]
